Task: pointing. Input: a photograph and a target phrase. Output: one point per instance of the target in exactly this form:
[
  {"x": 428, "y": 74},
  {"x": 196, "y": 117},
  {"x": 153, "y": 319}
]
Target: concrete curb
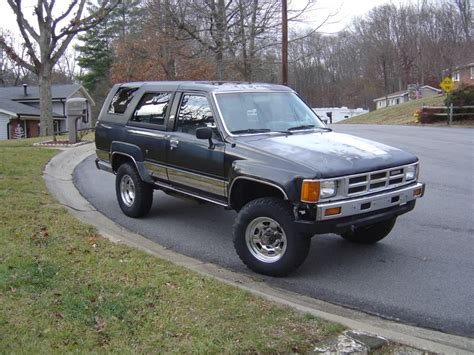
[{"x": 58, "y": 177}]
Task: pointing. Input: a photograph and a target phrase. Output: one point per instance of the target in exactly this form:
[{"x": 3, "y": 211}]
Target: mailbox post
[{"x": 76, "y": 108}]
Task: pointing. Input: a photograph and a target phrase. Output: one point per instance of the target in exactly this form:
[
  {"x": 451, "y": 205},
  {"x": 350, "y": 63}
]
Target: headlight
[
  {"x": 328, "y": 188},
  {"x": 411, "y": 172}
]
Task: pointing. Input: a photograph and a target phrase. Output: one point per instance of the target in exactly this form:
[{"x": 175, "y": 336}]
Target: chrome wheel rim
[
  {"x": 266, "y": 239},
  {"x": 127, "y": 190}
]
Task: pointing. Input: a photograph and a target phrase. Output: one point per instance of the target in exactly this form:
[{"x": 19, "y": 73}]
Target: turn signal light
[
  {"x": 310, "y": 191},
  {"x": 417, "y": 192},
  {"x": 332, "y": 211}
]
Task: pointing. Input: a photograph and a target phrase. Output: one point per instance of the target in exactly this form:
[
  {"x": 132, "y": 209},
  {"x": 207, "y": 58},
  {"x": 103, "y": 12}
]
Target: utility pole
[{"x": 284, "y": 42}]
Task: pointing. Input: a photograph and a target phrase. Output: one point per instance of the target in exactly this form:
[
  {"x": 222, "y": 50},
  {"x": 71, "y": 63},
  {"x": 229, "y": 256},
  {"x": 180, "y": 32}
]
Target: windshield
[{"x": 257, "y": 112}]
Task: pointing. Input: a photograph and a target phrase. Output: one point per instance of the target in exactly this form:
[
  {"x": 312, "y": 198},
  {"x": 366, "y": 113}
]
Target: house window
[
  {"x": 472, "y": 72},
  {"x": 455, "y": 76}
]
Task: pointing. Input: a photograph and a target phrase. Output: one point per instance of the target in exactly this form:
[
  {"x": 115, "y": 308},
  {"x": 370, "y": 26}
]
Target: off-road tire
[
  {"x": 140, "y": 204},
  {"x": 370, "y": 234},
  {"x": 279, "y": 211}
]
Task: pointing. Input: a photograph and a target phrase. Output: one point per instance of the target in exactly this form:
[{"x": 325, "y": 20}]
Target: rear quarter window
[{"x": 122, "y": 99}]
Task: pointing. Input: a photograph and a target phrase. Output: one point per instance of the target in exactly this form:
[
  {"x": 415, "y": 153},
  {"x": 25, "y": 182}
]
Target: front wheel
[
  {"x": 133, "y": 194},
  {"x": 266, "y": 239},
  {"x": 370, "y": 234}
]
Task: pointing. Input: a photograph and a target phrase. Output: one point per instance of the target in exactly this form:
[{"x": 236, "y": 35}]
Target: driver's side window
[{"x": 194, "y": 112}]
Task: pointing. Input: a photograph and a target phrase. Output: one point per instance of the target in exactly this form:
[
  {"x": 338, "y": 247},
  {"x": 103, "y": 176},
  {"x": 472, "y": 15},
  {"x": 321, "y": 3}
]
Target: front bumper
[
  {"x": 362, "y": 211},
  {"x": 371, "y": 203}
]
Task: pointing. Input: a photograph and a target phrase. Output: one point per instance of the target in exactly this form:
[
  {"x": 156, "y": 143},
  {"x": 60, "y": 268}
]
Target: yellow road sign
[{"x": 447, "y": 84}]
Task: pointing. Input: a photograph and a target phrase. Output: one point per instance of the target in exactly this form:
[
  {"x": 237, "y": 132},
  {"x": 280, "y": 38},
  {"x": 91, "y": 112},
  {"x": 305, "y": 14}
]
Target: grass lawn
[
  {"x": 65, "y": 288},
  {"x": 397, "y": 114}
]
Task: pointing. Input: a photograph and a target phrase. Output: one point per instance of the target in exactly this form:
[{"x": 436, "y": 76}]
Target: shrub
[
  {"x": 462, "y": 96},
  {"x": 432, "y": 115}
]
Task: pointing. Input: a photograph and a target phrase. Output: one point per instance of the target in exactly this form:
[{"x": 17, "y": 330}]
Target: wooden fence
[{"x": 446, "y": 111}]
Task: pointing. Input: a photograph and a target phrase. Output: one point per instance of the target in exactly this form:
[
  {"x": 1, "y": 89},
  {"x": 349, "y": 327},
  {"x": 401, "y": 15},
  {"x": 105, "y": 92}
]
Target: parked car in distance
[{"x": 257, "y": 149}]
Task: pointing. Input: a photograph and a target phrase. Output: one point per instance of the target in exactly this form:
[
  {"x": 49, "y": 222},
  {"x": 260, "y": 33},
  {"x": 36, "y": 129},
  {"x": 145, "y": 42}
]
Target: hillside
[{"x": 398, "y": 114}]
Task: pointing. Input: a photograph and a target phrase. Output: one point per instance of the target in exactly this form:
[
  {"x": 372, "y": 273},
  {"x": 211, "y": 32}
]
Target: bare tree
[
  {"x": 10, "y": 72},
  {"x": 47, "y": 43},
  {"x": 465, "y": 11},
  {"x": 66, "y": 65}
]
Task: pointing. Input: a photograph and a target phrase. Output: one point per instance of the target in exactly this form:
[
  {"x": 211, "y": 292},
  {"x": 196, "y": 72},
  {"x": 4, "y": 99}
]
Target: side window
[
  {"x": 152, "y": 108},
  {"x": 194, "y": 112},
  {"x": 121, "y": 99}
]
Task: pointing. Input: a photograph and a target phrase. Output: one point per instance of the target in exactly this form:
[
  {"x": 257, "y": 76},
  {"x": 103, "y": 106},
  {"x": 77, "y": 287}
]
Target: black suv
[{"x": 257, "y": 149}]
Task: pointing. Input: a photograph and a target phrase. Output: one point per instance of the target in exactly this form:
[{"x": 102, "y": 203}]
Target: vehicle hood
[{"x": 330, "y": 154}]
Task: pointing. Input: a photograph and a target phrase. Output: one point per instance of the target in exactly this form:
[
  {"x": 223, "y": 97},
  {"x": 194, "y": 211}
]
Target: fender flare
[{"x": 132, "y": 152}]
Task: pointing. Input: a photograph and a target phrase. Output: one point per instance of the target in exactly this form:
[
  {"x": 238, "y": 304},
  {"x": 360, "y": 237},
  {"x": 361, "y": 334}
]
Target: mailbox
[{"x": 78, "y": 107}]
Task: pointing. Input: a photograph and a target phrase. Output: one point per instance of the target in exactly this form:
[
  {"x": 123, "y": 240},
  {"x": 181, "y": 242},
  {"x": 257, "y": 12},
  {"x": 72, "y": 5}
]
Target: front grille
[{"x": 375, "y": 181}]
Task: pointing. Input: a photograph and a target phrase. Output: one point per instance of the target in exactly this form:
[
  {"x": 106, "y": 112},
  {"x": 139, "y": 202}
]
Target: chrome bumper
[{"x": 352, "y": 207}]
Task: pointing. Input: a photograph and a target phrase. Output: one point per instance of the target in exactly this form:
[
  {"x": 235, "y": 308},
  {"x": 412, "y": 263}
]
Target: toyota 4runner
[{"x": 257, "y": 149}]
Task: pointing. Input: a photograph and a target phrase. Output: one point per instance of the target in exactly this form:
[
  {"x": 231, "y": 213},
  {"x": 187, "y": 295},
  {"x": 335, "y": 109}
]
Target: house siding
[
  {"x": 465, "y": 76},
  {"x": 391, "y": 101},
  {"x": 427, "y": 92},
  {"x": 3, "y": 126}
]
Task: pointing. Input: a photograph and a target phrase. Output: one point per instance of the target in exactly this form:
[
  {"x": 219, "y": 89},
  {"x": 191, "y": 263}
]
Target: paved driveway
[{"x": 422, "y": 274}]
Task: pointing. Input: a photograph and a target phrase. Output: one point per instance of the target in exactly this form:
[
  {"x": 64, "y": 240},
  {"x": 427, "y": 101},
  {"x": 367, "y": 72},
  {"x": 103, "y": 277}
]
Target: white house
[
  {"x": 412, "y": 93},
  {"x": 20, "y": 113}
]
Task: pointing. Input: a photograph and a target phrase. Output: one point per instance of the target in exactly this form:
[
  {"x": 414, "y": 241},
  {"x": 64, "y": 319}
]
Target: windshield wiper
[
  {"x": 306, "y": 126},
  {"x": 309, "y": 126},
  {"x": 251, "y": 130}
]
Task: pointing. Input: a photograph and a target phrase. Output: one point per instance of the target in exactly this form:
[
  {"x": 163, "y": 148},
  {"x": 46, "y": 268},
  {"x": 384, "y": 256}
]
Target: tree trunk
[
  {"x": 46, "y": 105},
  {"x": 220, "y": 19},
  {"x": 251, "y": 56}
]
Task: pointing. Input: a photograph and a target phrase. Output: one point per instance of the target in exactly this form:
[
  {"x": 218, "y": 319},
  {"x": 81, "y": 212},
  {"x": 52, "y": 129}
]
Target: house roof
[
  {"x": 14, "y": 108},
  {"x": 463, "y": 66},
  {"x": 392, "y": 95},
  {"x": 14, "y": 102},
  {"x": 432, "y": 88},
  {"x": 17, "y": 93}
]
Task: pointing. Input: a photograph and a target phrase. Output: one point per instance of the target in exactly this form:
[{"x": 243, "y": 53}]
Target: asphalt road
[{"x": 422, "y": 274}]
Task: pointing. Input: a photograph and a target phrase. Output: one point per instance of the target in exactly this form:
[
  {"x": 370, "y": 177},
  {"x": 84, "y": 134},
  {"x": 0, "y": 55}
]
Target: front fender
[{"x": 285, "y": 180}]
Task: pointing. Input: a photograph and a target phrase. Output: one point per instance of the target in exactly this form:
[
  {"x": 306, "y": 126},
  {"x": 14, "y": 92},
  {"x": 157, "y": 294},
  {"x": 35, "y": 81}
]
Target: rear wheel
[
  {"x": 370, "y": 234},
  {"x": 266, "y": 239},
  {"x": 134, "y": 196}
]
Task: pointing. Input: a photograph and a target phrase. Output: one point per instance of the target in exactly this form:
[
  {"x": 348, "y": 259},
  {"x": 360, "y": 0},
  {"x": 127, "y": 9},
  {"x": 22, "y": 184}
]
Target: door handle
[{"x": 174, "y": 143}]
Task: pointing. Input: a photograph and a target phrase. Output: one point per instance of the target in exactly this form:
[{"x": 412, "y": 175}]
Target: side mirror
[{"x": 205, "y": 133}]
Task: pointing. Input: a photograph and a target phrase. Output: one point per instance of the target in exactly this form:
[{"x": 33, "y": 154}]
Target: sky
[{"x": 344, "y": 11}]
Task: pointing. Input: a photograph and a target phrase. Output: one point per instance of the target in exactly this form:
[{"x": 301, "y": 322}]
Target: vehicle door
[
  {"x": 193, "y": 163},
  {"x": 147, "y": 128}
]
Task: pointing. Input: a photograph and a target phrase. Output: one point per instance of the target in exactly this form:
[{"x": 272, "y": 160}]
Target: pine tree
[{"x": 96, "y": 52}]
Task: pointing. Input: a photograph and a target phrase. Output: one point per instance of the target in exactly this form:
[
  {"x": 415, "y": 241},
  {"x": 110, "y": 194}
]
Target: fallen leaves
[{"x": 41, "y": 237}]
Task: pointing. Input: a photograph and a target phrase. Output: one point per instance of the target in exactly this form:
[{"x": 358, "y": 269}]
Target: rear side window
[
  {"x": 121, "y": 99},
  {"x": 152, "y": 108}
]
